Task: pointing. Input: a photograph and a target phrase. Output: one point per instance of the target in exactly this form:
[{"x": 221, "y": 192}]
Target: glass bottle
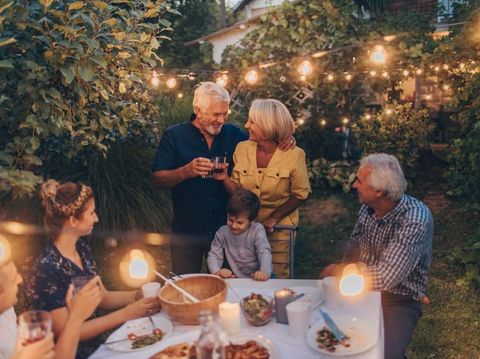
[{"x": 209, "y": 344}]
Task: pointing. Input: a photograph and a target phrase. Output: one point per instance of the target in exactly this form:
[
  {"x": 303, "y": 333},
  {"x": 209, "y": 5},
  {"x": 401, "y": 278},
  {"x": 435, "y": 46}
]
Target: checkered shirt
[{"x": 397, "y": 248}]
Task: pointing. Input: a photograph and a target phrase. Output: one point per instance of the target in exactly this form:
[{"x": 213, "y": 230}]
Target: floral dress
[{"x": 53, "y": 273}]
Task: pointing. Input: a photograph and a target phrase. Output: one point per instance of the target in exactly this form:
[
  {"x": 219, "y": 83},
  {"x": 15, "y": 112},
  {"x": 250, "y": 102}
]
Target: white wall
[{"x": 220, "y": 42}]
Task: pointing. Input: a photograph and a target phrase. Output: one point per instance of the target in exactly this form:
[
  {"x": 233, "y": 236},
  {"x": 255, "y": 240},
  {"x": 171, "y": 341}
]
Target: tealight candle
[
  {"x": 282, "y": 298},
  {"x": 229, "y": 314}
]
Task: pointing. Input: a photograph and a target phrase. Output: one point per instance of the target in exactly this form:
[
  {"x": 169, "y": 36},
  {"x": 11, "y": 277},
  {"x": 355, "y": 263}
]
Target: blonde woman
[
  {"x": 278, "y": 178},
  {"x": 69, "y": 216}
]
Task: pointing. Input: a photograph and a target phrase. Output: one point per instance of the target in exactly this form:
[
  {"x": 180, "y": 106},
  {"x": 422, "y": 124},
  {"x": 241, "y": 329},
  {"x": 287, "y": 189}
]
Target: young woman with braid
[{"x": 70, "y": 215}]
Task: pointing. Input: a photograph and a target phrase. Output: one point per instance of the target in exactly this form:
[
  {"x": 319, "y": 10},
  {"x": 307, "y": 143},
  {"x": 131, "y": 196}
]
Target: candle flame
[
  {"x": 352, "y": 283},
  {"x": 138, "y": 267}
]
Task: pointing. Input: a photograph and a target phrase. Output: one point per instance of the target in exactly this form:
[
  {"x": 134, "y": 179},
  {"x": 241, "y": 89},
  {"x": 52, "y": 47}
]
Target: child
[{"x": 242, "y": 241}]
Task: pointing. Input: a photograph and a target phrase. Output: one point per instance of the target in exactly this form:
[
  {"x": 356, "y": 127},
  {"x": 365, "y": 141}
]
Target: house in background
[{"x": 250, "y": 11}]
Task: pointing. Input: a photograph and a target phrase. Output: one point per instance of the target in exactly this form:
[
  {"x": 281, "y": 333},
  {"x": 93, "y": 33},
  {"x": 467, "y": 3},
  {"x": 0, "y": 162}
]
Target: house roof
[{"x": 237, "y": 25}]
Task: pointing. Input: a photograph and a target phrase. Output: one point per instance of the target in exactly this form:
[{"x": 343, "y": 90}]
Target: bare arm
[
  {"x": 170, "y": 178},
  {"x": 94, "y": 327},
  {"x": 230, "y": 186},
  {"x": 113, "y": 300}
]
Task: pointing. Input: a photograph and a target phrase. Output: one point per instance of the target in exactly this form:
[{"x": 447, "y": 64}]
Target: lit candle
[
  {"x": 138, "y": 267},
  {"x": 282, "y": 298},
  {"x": 229, "y": 314},
  {"x": 352, "y": 283}
]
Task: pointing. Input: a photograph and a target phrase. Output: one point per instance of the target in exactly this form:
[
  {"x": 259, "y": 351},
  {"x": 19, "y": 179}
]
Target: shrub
[
  {"x": 405, "y": 133},
  {"x": 332, "y": 174},
  {"x": 74, "y": 72}
]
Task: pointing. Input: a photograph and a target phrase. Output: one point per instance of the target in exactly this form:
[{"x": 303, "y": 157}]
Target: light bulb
[
  {"x": 405, "y": 72},
  {"x": 323, "y": 122},
  {"x": 419, "y": 71},
  {"x": 305, "y": 68},
  {"x": 222, "y": 80},
  {"x": 348, "y": 77},
  {"x": 385, "y": 74},
  {"x": 251, "y": 77},
  {"x": 301, "y": 121},
  {"x": 345, "y": 120},
  {"x": 368, "y": 116},
  {"x": 379, "y": 56},
  {"x": 171, "y": 83},
  {"x": 373, "y": 73},
  {"x": 330, "y": 77},
  {"x": 180, "y": 95},
  {"x": 388, "y": 111},
  {"x": 155, "y": 81}
]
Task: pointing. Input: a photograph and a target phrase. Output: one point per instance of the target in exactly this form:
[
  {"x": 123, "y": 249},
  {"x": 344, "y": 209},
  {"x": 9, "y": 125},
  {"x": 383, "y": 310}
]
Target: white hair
[
  {"x": 386, "y": 175},
  {"x": 208, "y": 92}
]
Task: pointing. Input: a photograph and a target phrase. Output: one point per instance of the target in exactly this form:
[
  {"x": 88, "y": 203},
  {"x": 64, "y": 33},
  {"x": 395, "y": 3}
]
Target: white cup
[
  {"x": 298, "y": 313},
  {"x": 333, "y": 299},
  {"x": 229, "y": 314},
  {"x": 151, "y": 289}
]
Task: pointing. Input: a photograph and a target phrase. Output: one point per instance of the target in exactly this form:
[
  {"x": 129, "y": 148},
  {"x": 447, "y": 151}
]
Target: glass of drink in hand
[
  {"x": 79, "y": 282},
  {"x": 34, "y": 326},
  {"x": 218, "y": 165}
]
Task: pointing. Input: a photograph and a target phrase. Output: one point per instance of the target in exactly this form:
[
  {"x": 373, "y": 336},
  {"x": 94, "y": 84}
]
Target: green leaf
[
  {"x": 46, "y": 3},
  {"x": 68, "y": 74},
  {"x": 5, "y": 41},
  {"x": 154, "y": 43},
  {"x": 151, "y": 13},
  {"x": 76, "y": 5},
  {"x": 144, "y": 37},
  {"x": 99, "y": 60},
  {"x": 100, "y": 5},
  {"x": 86, "y": 73},
  {"x": 164, "y": 22},
  {"x": 35, "y": 143},
  {"x": 6, "y": 64}
]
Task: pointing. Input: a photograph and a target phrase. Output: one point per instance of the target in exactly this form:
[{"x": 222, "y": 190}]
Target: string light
[
  {"x": 330, "y": 77},
  {"x": 445, "y": 87},
  {"x": 345, "y": 121},
  {"x": 305, "y": 68},
  {"x": 428, "y": 97},
  {"x": 301, "y": 121},
  {"x": 303, "y": 78},
  {"x": 368, "y": 116},
  {"x": 405, "y": 73},
  {"x": 437, "y": 68},
  {"x": 419, "y": 71},
  {"x": 222, "y": 80},
  {"x": 283, "y": 79},
  {"x": 251, "y": 77},
  {"x": 180, "y": 95},
  {"x": 388, "y": 111},
  {"x": 445, "y": 67},
  {"x": 323, "y": 122},
  {"x": 155, "y": 81},
  {"x": 192, "y": 76},
  {"x": 379, "y": 55},
  {"x": 171, "y": 83},
  {"x": 384, "y": 74},
  {"x": 373, "y": 73},
  {"x": 348, "y": 77}
]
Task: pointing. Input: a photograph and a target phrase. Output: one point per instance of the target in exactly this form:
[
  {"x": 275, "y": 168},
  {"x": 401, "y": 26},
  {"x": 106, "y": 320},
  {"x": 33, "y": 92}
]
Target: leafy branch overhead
[{"x": 74, "y": 72}]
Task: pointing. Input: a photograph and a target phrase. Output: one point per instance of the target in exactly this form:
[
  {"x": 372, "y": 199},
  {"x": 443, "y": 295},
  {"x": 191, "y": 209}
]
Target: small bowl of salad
[{"x": 257, "y": 308}]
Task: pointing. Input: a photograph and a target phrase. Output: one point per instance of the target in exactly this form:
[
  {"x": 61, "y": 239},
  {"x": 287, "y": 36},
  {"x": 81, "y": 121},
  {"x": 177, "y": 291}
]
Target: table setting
[{"x": 281, "y": 318}]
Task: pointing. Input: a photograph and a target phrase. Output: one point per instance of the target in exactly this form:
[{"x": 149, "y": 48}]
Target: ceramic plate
[
  {"x": 362, "y": 336},
  {"x": 141, "y": 326}
]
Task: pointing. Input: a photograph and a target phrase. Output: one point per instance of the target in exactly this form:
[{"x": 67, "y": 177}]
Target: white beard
[{"x": 211, "y": 130}]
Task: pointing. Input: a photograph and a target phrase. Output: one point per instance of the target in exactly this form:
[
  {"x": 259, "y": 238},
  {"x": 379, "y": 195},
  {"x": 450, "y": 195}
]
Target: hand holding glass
[{"x": 34, "y": 326}]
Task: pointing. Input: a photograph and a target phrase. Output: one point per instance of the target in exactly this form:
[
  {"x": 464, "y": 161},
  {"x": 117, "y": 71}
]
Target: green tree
[{"x": 72, "y": 80}]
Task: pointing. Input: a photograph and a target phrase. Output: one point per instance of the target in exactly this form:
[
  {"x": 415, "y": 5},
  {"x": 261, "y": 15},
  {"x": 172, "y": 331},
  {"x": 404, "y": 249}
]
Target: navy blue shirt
[{"x": 199, "y": 205}]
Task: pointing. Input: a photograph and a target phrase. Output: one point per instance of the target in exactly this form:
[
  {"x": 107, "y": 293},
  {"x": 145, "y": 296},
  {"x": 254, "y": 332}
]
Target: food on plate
[
  {"x": 178, "y": 351},
  {"x": 140, "y": 341},
  {"x": 250, "y": 350},
  {"x": 257, "y": 308},
  {"x": 327, "y": 340}
]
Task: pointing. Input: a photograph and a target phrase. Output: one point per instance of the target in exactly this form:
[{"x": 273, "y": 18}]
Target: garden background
[{"x": 79, "y": 101}]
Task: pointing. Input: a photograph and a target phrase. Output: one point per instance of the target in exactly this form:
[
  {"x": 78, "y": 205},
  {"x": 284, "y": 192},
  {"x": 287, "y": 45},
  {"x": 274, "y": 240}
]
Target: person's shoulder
[
  {"x": 414, "y": 209},
  {"x": 234, "y": 131},
  {"x": 257, "y": 227},
  {"x": 177, "y": 127}
]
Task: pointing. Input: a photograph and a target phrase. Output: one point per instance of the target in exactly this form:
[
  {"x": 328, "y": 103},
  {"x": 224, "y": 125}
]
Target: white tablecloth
[{"x": 367, "y": 309}]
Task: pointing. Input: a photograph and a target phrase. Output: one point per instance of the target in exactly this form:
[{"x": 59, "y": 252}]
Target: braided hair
[{"x": 61, "y": 201}]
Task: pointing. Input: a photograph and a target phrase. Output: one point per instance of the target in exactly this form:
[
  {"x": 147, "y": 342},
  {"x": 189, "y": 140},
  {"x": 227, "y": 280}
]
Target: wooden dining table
[{"x": 366, "y": 309}]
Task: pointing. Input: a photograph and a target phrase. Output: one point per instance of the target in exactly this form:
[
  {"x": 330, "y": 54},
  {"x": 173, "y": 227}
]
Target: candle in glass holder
[
  {"x": 282, "y": 298},
  {"x": 229, "y": 314}
]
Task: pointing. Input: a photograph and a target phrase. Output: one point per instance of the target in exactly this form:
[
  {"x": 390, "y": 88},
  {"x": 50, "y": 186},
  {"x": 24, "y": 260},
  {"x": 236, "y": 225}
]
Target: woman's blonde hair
[
  {"x": 273, "y": 118},
  {"x": 61, "y": 201}
]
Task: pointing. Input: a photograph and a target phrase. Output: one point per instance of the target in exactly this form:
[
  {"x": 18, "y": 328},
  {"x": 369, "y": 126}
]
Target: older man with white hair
[
  {"x": 392, "y": 239},
  {"x": 182, "y": 162}
]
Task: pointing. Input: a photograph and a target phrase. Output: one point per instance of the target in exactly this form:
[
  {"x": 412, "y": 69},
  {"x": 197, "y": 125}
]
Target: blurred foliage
[
  {"x": 72, "y": 80},
  {"x": 405, "y": 133},
  {"x": 287, "y": 35},
  {"x": 332, "y": 174}
]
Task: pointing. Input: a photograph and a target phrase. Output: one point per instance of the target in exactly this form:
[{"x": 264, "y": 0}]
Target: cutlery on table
[{"x": 342, "y": 338}]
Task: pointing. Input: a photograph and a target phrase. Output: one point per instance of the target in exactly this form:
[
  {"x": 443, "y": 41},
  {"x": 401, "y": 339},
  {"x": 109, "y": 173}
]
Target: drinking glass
[
  {"x": 218, "y": 164},
  {"x": 34, "y": 325},
  {"x": 79, "y": 282}
]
